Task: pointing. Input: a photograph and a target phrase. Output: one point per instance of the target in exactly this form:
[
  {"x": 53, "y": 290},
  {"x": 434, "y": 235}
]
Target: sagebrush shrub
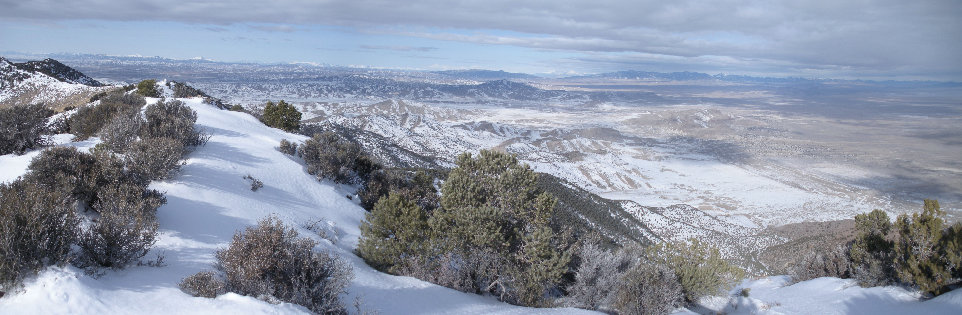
[
  {"x": 598, "y": 275},
  {"x": 699, "y": 267},
  {"x": 203, "y": 284},
  {"x": 329, "y": 156},
  {"x": 649, "y": 289},
  {"x": 171, "y": 119},
  {"x": 830, "y": 263},
  {"x": 126, "y": 229},
  {"x": 88, "y": 120},
  {"x": 23, "y": 128},
  {"x": 66, "y": 168},
  {"x": 155, "y": 158},
  {"x": 288, "y": 147},
  {"x": 122, "y": 130},
  {"x": 271, "y": 260},
  {"x": 37, "y": 227}
]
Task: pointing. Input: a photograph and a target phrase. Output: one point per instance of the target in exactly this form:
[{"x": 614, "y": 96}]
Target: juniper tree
[
  {"x": 871, "y": 253},
  {"x": 491, "y": 204},
  {"x": 917, "y": 257},
  {"x": 393, "y": 232},
  {"x": 282, "y": 115}
]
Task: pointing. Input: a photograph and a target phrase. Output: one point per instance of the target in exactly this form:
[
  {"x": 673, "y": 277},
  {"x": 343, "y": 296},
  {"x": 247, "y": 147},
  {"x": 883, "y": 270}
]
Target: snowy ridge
[
  {"x": 29, "y": 83},
  {"x": 207, "y": 202}
]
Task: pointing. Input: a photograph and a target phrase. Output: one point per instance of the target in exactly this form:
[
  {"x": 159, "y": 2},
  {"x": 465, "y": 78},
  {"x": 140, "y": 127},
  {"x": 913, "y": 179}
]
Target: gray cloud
[{"x": 878, "y": 36}]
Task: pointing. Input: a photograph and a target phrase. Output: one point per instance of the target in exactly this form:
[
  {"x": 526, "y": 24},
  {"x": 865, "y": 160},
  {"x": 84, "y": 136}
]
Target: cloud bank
[{"x": 872, "y": 37}]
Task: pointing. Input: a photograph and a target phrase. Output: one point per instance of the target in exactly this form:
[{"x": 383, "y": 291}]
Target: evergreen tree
[
  {"x": 870, "y": 253},
  {"x": 392, "y": 233},
  {"x": 282, "y": 115},
  {"x": 491, "y": 205},
  {"x": 148, "y": 88},
  {"x": 917, "y": 255}
]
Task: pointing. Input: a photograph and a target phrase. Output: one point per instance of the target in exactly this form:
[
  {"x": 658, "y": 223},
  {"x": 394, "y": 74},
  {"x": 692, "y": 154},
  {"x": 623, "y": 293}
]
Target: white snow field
[
  {"x": 207, "y": 202},
  {"x": 825, "y": 296}
]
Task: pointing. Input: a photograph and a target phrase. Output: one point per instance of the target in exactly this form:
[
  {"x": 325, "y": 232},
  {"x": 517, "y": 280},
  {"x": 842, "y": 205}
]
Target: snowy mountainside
[
  {"x": 48, "y": 81},
  {"x": 207, "y": 202}
]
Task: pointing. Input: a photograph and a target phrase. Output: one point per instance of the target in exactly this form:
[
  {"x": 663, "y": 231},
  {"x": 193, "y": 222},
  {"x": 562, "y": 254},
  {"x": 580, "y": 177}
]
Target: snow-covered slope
[
  {"x": 47, "y": 81},
  {"x": 206, "y": 203},
  {"x": 825, "y": 296}
]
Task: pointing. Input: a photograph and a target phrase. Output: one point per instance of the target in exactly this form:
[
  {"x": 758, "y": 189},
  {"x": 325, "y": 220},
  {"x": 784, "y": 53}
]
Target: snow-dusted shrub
[
  {"x": 131, "y": 101},
  {"x": 126, "y": 228},
  {"x": 37, "y": 226},
  {"x": 699, "y": 267},
  {"x": 148, "y": 88},
  {"x": 203, "y": 284},
  {"x": 649, "y": 289},
  {"x": 66, "y": 168},
  {"x": 327, "y": 155},
  {"x": 598, "y": 275},
  {"x": 288, "y": 147},
  {"x": 155, "y": 158},
  {"x": 172, "y": 119},
  {"x": 23, "y": 128},
  {"x": 255, "y": 183},
  {"x": 831, "y": 263},
  {"x": 122, "y": 130},
  {"x": 88, "y": 120},
  {"x": 270, "y": 261}
]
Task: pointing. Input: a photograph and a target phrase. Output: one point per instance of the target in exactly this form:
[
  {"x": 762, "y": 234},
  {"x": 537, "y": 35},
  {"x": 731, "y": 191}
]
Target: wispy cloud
[{"x": 398, "y": 48}]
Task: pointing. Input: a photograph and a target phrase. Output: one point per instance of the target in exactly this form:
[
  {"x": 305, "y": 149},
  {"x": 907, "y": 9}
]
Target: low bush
[
  {"x": 174, "y": 120},
  {"x": 66, "y": 168},
  {"x": 122, "y": 131},
  {"x": 831, "y": 263},
  {"x": 271, "y": 261},
  {"x": 288, "y": 147},
  {"x": 203, "y": 284},
  {"x": 90, "y": 119},
  {"x": 126, "y": 229},
  {"x": 155, "y": 158},
  {"x": 649, "y": 289},
  {"x": 255, "y": 183},
  {"x": 699, "y": 267},
  {"x": 329, "y": 156},
  {"x": 37, "y": 227},
  {"x": 23, "y": 128},
  {"x": 598, "y": 276}
]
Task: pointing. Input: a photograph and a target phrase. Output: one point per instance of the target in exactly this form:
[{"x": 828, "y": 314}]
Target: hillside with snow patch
[{"x": 207, "y": 202}]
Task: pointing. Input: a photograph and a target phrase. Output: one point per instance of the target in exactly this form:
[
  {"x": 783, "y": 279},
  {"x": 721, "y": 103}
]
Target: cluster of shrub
[
  {"x": 271, "y": 262},
  {"x": 97, "y": 201},
  {"x": 491, "y": 230},
  {"x": 918, "y": 251}
]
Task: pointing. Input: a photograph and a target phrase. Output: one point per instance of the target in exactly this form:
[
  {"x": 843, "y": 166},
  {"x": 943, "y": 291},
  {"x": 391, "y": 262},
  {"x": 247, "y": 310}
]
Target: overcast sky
[{"x": 872, "y": 39}]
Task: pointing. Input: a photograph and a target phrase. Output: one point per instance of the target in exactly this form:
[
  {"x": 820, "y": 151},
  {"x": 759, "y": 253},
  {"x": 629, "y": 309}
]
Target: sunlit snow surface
[{"x": 207, "y": 202}]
